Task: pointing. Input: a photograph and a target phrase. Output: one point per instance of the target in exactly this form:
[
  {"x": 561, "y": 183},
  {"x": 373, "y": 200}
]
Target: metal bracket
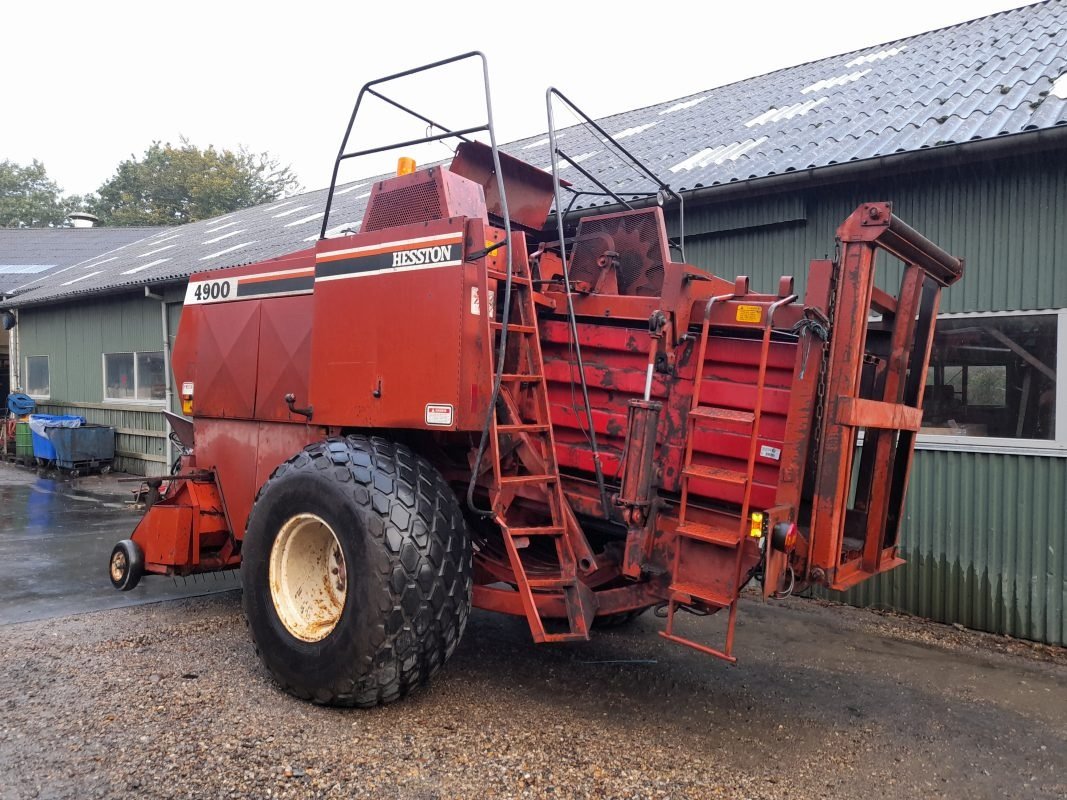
[{"x": 290, "y": 400}]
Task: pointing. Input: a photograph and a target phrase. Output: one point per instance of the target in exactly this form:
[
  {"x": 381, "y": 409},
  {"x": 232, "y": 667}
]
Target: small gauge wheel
[{"x": 126, "y": 566}]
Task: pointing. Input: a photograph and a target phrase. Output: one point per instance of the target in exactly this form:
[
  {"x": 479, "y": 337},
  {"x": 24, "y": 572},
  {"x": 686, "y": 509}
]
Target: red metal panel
[
  {"x": 284, "y": 352},
  {"x": 226, "y": 359},
  {"x": 373, "y": 363}
]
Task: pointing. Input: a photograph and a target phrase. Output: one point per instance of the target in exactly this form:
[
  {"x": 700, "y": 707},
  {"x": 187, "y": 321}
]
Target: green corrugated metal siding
[
  {"x": 174, "y": 317},
  {"x": 1005, "y": 218},
  {"x": 986, "y": 541},
  {"x": 74, "y": 336}
]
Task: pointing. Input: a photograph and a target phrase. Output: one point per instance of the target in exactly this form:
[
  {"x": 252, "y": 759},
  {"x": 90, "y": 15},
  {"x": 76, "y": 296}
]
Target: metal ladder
[
  {"x": 522, "y": 426},
  {"x": 726, "y": 540}
]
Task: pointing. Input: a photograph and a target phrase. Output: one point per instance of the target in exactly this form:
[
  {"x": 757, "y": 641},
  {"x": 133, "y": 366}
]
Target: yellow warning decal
[{"x": 749, "y": 313}]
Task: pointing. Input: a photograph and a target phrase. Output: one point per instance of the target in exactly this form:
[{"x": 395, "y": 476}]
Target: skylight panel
[
  {"x": 223, "y": 236},
  {"x": 290, "y": 211},
  {"x": 143, "y": 267},
  {"x": 227, "y": 250},
  {"x": 682, "y": 106},
  {"x": 881, "y": 55},
  {"x": 636, "y": 129},
  {"x": 719, "y": 154},
  {"x": 839, "y": 80}
]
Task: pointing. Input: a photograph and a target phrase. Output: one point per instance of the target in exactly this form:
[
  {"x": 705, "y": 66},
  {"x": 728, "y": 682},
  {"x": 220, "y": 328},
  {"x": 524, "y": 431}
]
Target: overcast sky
[{"x": 88, "y": 84}]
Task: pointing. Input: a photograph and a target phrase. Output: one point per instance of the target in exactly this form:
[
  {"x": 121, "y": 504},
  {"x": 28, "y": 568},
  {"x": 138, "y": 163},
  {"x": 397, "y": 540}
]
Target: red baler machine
[{"x": 454, "y": 406}]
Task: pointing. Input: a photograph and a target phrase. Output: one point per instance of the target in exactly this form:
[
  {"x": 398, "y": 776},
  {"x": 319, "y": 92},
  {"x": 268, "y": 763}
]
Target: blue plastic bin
[{"x": 42, "y": 445}]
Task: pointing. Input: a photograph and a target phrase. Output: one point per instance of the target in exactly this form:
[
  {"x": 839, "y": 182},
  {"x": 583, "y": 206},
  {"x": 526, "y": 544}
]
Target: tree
[
  {"x": 174, "y": 185},
  {"x": 29, "y": 198}
]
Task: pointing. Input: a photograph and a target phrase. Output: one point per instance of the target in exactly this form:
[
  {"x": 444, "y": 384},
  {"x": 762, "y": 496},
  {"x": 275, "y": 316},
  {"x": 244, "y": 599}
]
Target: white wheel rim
[
  {"x": 308, "y": 579},
  {"x": 119, "y": 566}
]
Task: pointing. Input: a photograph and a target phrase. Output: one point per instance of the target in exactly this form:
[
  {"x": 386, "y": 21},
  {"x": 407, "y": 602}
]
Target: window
[
  {"x": 993, "y": 377},
  {"x": 136, "y": 377},
  {"x": 37, "y": 376}
]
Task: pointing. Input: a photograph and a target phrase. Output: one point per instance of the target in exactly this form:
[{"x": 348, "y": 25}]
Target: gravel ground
[{"x": 169, "y": 700}]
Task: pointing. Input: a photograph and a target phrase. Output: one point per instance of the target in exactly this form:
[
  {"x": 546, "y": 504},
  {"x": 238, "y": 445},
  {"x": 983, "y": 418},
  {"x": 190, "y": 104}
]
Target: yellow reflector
[
  {"x": 757, "y": 525},
  {"x": 405, "y": 165}
]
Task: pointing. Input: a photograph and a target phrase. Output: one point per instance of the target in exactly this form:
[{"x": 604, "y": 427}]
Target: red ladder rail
[
  {"x": 522, "y": 417},
  {"x": 683, "y": 592}
]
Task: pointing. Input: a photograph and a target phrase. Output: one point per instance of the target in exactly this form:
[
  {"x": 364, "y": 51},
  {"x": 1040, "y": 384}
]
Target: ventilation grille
[
  {"x": 392, "y": 208},
  {"x": 636, "y": 238}
]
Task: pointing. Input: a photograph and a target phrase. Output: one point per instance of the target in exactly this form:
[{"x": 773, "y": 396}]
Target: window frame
[
  {"x": 1011, "y": 446},
  {"x": 48, "y": 363},
  {"x": 134, "y": 400}
]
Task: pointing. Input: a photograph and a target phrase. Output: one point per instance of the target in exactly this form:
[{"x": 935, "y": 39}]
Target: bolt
[{"x": 873, "y": 212}]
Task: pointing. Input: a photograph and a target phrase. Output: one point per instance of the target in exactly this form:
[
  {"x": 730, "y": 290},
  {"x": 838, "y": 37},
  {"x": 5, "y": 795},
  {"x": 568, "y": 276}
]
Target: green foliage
[
  {"x": 174, "y": 185},
  {"x": 28, "y": 197}
]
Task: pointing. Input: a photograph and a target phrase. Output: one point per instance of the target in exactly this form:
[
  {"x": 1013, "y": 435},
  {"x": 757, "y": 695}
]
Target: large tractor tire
[{"x": 356, "y": 570}]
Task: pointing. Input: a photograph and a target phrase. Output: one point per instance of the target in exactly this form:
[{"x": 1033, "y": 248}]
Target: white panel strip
[
  {"x": 879, "y": 56},
  {"x": 98, "y": 263},
  {"x": 223, "y": 218},
  {"x": 681, "y": 106},
  {"x": 227, "y": 250},
  {"x": 348, "y": 189},
  {"x": 839, "y": 80},
  {"x": 145, "y": 266},
  {"x": 82, "y": 278},
  {"x": 290, "y": 211},
  {"x": 636, "y": 129},
  {"x": 304, "y": 220},
  {"x": 223, "y": 236},
  {"x": 220, "y": 227},
  {"x": 1059, "y": 87},
  {"x": 157, "y": 250}
]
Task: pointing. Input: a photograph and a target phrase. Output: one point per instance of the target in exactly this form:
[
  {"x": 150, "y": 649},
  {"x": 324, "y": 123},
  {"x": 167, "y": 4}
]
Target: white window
[
  {"x": 134, "y": 377},
  {"x": 37, "y": 376},
  {"x": 992, "y": 383}
]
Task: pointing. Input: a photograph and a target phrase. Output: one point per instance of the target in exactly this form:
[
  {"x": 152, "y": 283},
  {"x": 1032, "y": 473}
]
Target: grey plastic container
[{"x": 87, "y": 447}]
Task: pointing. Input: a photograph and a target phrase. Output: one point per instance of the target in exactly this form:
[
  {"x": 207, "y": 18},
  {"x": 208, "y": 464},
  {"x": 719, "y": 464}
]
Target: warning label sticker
[
  {"x": 476, "y": 301},
  {"x": 749, "y": 313},
  {"x": 438, "y": 414},
  {"x": 770, "y": 452}
]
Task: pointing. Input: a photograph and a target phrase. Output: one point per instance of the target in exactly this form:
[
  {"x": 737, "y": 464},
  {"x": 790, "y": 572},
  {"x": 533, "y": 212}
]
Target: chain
[{"x": 820, "y": 387}]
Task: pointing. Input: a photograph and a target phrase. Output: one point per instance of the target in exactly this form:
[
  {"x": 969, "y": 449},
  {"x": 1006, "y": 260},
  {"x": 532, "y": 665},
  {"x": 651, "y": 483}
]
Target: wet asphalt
[{"x": 56, "y": 536}]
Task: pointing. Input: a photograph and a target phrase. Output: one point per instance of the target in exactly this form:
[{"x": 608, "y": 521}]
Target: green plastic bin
[{"x": 23, "y": 441}]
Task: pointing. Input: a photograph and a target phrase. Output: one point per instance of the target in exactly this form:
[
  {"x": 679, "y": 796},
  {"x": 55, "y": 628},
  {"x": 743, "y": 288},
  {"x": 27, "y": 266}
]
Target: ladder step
[
  {"x": 517, "y": 479},
  {"x": 544, "y": 530},
  {"x": 699, "y": 593},
  {"x": 525, "y": 427},
  {"x": 715, "y": 474},
  {"x": 561, "y": 637},
  {"x": 521, "y": 378},
  {"x": 521, "y": 280},
  {"x": 717, "y": 414},
  {"x": 710, "y": 534},
  {"x": 513, "y": 327},
  {"x": 711, "y": 651}
]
